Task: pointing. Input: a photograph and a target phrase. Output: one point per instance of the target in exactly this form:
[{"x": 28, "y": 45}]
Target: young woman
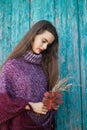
[{"x": 28, "y": 72}]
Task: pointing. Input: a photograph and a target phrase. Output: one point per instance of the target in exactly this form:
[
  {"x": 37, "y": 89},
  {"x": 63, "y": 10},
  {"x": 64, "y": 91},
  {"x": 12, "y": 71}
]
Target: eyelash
[{"x": 43, "y": 41}]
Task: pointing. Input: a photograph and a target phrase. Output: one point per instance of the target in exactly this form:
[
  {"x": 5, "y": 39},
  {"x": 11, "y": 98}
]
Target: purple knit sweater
[{"x": 22, "y": 80}]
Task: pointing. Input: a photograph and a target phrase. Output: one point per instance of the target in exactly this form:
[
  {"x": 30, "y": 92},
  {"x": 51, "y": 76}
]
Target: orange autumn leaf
[
  {"x": 54, "y": 98},
  {"x": 51, "y": 99}
]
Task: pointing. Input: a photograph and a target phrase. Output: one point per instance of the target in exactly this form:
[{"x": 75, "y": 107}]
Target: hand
[
  {"x": 39, "y": 107},
  {"x": 52, "y": 100}
]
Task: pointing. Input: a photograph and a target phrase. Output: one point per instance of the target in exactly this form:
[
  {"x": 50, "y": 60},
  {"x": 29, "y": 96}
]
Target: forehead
[{"x": 48, "y": 36}]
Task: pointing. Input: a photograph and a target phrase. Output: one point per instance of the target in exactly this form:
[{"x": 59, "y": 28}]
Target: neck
[{"x": 33, "y": 57}]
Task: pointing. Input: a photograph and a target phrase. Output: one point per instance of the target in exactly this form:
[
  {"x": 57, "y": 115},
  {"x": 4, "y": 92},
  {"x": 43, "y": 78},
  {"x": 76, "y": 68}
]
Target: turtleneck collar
[{"x": 33, "y": 58}]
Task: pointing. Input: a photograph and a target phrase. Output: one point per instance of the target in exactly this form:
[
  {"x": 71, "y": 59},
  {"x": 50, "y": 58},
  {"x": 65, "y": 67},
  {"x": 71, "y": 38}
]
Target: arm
[{"x": 9, "y": 107}]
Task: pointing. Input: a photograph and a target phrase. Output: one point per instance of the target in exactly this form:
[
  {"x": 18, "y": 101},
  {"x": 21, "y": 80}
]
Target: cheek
[
  {"x": 33, "y": 46},
  {"x": 37, "y": 43}
]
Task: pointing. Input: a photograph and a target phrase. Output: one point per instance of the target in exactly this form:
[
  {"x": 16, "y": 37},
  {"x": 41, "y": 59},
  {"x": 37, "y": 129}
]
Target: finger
[
  {"x": 43, "y": 112},
  {"x": 56, "y": 107},
  {"x": 44, "y": 107},
  {"x": 27, "y": 107}
]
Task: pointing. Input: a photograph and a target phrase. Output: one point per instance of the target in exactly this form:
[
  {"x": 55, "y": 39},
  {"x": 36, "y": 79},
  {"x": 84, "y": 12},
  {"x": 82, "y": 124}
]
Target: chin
[{"x": 37, "y": 52}]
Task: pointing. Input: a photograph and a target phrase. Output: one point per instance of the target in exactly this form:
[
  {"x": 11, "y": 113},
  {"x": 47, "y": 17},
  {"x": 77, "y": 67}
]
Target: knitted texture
[{"x": 24, "y": 79}]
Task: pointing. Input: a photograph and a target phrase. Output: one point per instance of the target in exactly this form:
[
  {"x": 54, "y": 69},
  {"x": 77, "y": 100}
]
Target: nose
[{"x": 45, "y": 46}]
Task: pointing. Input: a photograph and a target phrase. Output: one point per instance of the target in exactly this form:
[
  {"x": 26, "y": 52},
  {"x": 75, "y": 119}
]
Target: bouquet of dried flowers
[{"x": 53, "y": 98}]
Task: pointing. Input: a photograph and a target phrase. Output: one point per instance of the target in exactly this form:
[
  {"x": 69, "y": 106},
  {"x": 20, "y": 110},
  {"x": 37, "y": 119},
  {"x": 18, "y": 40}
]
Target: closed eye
[{"x": 44, "y": 41}]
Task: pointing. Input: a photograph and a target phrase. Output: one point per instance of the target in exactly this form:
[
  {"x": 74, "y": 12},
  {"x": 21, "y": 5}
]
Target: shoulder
[
  {"x": 10, "y": 66},
  {"x": 10, "y": 63}
]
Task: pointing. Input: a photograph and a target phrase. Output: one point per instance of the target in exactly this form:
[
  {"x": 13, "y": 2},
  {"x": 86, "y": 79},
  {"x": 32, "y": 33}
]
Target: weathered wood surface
[
  {"x": 69, "y": 61},
  {"x": 70, "y": 19},
  {"x": 82, "y": 4},
  {"x": 14, "y": 23}
]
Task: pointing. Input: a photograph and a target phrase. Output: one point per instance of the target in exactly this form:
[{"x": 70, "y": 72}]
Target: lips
[{"x": 40, "y": 50}]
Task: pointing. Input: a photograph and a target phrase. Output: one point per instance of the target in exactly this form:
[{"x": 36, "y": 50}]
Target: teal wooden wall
[{"x": 70, "y": 19}]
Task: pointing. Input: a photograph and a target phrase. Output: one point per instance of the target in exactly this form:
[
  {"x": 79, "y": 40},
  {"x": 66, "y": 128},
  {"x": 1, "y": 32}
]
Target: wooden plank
[
  {"x": 83, "y": 57},
  {"x": 42, "y": 10},
  {"x": 15, "y": 16},
  {"x": 69, "y": 115},
  {"x": 20, "y": 20},
  {"x": 5, "y": 25}
]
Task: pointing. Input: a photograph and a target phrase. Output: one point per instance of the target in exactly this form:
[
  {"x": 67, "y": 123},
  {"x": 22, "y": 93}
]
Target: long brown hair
[{"x": 50, "y": 55}]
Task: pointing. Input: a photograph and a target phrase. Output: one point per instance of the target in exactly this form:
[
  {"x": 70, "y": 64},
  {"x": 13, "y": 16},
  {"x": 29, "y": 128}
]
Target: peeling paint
[
  {"x": 0, "y": 34},
  {"x": 70, "y": 19}
]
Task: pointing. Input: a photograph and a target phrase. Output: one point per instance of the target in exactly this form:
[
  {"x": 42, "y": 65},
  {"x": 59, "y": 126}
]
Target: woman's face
[{"x": 42, "y": 41}]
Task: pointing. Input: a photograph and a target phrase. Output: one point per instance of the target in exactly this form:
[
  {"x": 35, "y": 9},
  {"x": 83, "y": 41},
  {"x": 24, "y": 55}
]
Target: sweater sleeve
[{"x": 9, "y": 106}]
